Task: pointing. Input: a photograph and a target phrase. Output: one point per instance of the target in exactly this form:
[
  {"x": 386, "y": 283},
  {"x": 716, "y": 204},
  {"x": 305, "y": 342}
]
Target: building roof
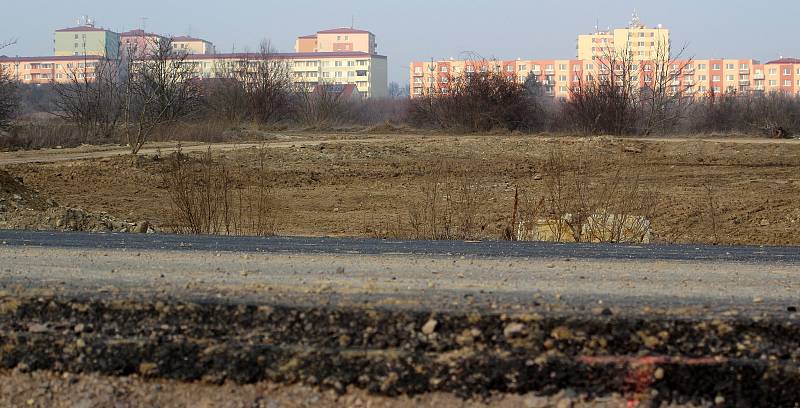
[
  {"x": 342, "y": 90},
  {"x": 785, "y": 61},
  {"x": 51, "y": 58},
  {"x": 138, "y": 33},
  {"x": 83, "y": 28},
  {"x": 186, "y": 38},
  {"x": 343, "y": 30},
  {"x": 314, "y": 36},
  {"x": 285, "y": 55}
]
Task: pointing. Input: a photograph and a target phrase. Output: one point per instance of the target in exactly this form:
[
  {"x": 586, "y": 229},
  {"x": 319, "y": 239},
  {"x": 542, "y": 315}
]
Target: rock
[
  {"x": 79, "y": 328},
  {"x": 719, "y": 400},
  {"x": 764, "y": 223},
  {"x": 513, "y": 329},
  {"x": 659, "y": 374},
  {"x": 561, "y": 333},
  {"x": 429, "y": 327},
  {"x": 534, "y": 401},
  {"x": 632, "y": 149},
  {"x": 37, "y": 328},
  {"x": 141, "y": 227},
  {"x": 758, "y": 300}
]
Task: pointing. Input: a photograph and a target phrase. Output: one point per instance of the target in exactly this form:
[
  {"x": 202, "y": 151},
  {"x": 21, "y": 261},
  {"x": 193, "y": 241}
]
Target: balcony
[{"x": 758, "y": 75}]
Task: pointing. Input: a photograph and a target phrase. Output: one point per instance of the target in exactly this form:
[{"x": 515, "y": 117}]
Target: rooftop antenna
[
  {"x": 635, "y": 21},
  {"x": 144, "y": 23},
  {"x": 352, "y": 21}
]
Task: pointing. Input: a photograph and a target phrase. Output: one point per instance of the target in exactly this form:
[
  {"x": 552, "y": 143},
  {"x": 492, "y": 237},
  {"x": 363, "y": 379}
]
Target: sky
[{"x": 424, "y": 29}]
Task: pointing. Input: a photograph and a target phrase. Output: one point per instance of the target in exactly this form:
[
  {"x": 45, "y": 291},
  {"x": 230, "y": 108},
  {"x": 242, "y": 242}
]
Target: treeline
[{"x": 159, "y": 96}]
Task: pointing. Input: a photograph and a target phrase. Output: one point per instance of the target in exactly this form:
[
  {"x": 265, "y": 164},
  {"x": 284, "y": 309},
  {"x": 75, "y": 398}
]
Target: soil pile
[{"x": 24, "y": 208}]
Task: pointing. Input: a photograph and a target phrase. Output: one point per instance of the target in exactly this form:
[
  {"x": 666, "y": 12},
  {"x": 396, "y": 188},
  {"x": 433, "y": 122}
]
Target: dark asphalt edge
[{"x": 359, "y": 246}]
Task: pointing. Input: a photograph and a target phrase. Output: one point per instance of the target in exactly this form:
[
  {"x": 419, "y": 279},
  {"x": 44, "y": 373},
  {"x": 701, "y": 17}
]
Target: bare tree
[
  {"x": 92, "y": 97},
  {"x": 8, "y": 93},
  {"x": 161, "y": 88},
  {"x": 322, "y": 107},
  {"x": 257, "y": 86},
  {"x": 630, "y": 94}
]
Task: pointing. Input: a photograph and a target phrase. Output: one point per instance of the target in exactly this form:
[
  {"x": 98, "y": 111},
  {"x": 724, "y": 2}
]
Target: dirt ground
[
  {"x": 51, "y": 390},
  {"x": 727, "y": 191}
]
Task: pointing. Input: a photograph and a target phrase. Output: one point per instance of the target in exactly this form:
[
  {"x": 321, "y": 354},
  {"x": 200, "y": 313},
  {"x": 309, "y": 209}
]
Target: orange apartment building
[
  {"x": 637, "y": 43},
  {"x": 52, "y": 69},
  {"x": 338, "y": 40},
  {"x": 557, "y": 77}
]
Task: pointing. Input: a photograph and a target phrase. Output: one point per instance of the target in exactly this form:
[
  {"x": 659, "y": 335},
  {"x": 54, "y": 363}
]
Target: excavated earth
[{"x": 726, "y": 357}]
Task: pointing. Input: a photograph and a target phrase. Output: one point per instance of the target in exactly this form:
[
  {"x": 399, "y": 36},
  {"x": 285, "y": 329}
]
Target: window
[
  {"x": 563, "y": 89},
  {"x": 339, "y": 74},
  {"x": 562, "y": 78},
  {"x": 773, "y": 82},
  {"x": 337, "y": 64},
  {"x": 537, "y": 68},
  {"x": 351, "y": 73},
  {"x": 715, "y": 78},
  {"x": 326, "y": 74},
  {"x": 744, "y": 67},
  {"x": 715, "y": 67},
  {"x": 728, "y": 66},
  {"x": 470, "y": 69},
  {"x": 590, "y": 66},
  {"x": 576, "y": 68},
  {"x": 787, "y": 71},
  {"x": 444, "y": 80},
  {"x": 443, "y": 69},
  {"x": 523, "y": 67},
  {"x": 562, "y": 67},
  {"x": 702, "y": 66},
  {"x": 773, "y": 71},
  {"x": 509, "y": 68},
  {"x": 351, "y": 63},
  {"x": 730, "y": 78},
  {"x": 549, "y": 67},
  {"x": 787, "y": 82},
  {"x": 417, "y": 70},
  {"x": 362, "y": 63}
]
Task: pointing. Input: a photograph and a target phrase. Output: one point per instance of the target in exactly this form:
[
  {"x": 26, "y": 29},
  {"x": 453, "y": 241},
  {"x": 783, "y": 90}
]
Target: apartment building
[
  {"x": 338, "y": 40},
  {"x": 192, "y": 45},
  {"x": 140, "y": 41},
  {"x": 52, "y": 69},
  {"x": 699, "y": 77},
  {"x": 368, "y": 72},
  {"x": 637, "y": 41},
  {"x": 86, "y": 40}
]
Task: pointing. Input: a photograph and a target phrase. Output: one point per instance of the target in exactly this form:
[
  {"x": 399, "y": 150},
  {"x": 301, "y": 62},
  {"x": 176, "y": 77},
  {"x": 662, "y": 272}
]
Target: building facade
[
  {"x": 140, "y": 42},
  {"x": 192, "y": 45},
  {"x": 637, "y": 42},
  {"x": 700, "y": 77},
  {"x": 338, "y": 40},
  {"x": 86, "y": 40},
  {"x": 368, "y": 72},
  {"x": 53, "y": 69}
]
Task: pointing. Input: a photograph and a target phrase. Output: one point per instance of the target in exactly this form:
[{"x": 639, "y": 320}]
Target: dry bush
[
  {"x": 628, "y": 96},
  {"x": 478, "y": 102},
  {"x": 323, "y": 108},
  {"x": 450, "y": 206},
  {"x": 583, "y": 203},
  {"x": 43, "y": 134},
  {"x": 207, "y": 198},
  {"x": 8, "y": 99},
  {"x": 774, "y": 114}
]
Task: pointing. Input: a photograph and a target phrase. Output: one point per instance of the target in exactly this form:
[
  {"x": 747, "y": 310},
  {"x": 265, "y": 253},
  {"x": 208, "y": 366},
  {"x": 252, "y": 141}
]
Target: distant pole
[{"x": 144, "y": 23}]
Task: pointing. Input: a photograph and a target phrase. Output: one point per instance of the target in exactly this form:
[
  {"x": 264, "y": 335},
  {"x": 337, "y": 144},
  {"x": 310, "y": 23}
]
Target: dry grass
[{"x": 206, "y": 197}]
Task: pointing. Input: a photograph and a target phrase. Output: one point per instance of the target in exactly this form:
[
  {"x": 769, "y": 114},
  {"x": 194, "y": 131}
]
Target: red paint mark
[{"x": 640, "y": 375}]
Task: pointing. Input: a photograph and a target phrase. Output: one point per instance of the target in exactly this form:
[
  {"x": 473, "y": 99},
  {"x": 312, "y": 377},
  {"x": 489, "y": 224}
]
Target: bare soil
[
  {"x": 332, "y": 187},
  {"x": 51, "y": 390}
]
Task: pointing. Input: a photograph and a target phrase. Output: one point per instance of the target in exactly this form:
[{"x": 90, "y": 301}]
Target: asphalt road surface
[{"x": 709, "y": 324}]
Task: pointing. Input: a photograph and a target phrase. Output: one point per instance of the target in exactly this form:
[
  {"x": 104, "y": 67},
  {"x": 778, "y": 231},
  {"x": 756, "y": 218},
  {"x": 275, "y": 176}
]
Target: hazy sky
[{"x": 421, "y": 29}]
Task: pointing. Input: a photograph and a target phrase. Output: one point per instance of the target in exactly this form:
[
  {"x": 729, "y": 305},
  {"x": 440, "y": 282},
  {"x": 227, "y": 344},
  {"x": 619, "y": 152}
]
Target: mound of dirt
[{"x": 24, "y": 208}]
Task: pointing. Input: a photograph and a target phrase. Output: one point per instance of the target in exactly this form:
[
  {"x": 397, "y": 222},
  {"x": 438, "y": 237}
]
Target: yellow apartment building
[{"x": 636, "y": 41}]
